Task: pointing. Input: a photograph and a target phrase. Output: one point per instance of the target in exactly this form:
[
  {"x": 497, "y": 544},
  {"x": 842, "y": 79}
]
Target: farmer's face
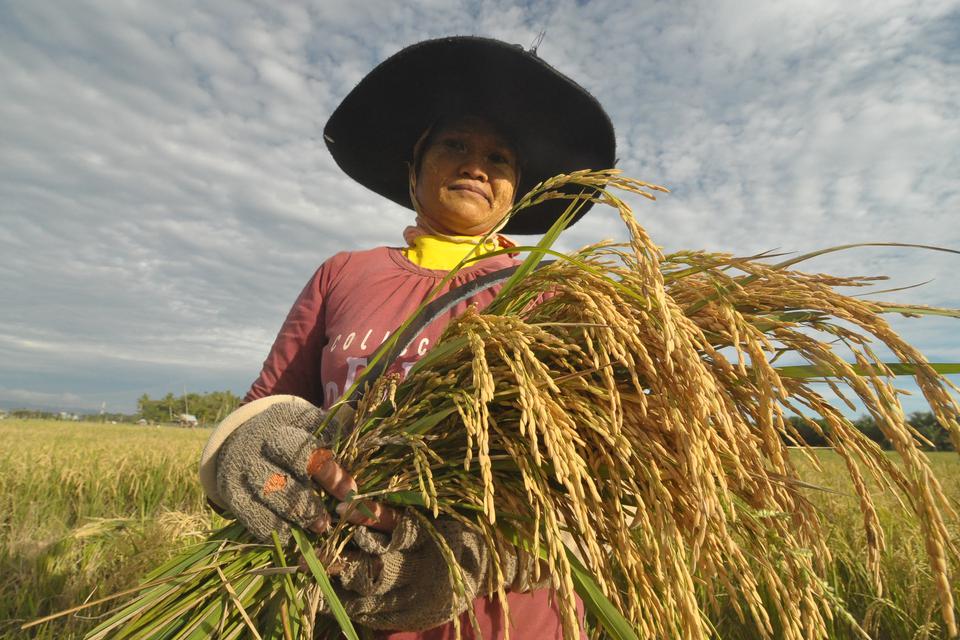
[{"x": 467, "y": 178}]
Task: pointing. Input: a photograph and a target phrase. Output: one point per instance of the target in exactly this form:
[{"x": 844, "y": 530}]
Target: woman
[{"x": 454, "y": 129}]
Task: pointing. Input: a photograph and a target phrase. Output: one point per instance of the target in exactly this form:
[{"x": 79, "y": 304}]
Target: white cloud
[{"x": 165, "y": 190}]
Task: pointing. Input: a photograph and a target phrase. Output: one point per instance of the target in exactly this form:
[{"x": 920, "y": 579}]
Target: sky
[{"x": 165, "y": 191}]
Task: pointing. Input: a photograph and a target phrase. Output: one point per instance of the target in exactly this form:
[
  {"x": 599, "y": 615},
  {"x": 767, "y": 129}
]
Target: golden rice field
[{"x": 85, "y": 509}]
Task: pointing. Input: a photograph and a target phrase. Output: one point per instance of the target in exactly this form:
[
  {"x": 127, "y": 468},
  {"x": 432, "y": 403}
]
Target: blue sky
[{"x": 165, "y": 191}]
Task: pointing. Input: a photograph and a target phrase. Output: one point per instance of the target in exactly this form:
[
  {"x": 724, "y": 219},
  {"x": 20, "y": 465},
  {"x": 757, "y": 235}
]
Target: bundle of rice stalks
[{"x": 624, "y": 414}]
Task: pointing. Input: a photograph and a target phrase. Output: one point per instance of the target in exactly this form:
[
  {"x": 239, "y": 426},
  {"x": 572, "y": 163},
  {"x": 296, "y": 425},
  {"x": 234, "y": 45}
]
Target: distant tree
[
  {"x": 930, "y": 428},
  {"x": 868, "y": 427},
  {"x": 208, "y": 407},
  {"x": 33, "y": 414},
  {"x": 924, "y": 422},
  {"x": 168, "y": 402}
]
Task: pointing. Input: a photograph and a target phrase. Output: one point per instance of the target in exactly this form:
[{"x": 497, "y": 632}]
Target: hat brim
[{"x": 556, "y": 125}]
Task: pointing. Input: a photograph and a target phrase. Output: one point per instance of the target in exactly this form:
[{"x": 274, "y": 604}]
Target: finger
[
  {"x": 334, "y": 479},
  {"x": 369, "y": 514},
  {"x": 321, "y": 524}
]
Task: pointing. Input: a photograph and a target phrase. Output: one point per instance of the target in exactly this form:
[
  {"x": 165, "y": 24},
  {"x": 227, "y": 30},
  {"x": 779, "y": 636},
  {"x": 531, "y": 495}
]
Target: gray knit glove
[
  {"x": 262, "y": 470},
  {"x": 401, "y": 581}
]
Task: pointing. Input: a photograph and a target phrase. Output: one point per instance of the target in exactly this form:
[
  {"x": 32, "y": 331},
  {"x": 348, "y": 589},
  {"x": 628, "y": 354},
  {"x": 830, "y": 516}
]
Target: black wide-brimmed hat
[{"x": 555, "y": 124}]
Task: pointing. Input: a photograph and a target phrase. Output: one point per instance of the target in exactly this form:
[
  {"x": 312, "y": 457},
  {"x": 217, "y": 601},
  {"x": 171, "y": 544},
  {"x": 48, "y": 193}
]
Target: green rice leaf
[
  {"x": 844, "y": 247},
  {"x": 541, "y": 251},
  {"x": 424, "y": 424},
  {"x": 535, "y": 256},
  {"x": 910, "y": 310},
  {"x": 206, "y": 625},
  {"x": 596, "y": 603},
  {"x": 323, "y": 580},
  {"x": 616, "y": 626},
  {"x": 439, "y": 352},
  {"x": 898, "y": 368},
  {"x": 288, "y": 587}
]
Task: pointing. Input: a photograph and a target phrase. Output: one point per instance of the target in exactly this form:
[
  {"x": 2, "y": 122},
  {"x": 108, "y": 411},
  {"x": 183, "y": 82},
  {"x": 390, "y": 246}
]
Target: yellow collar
[{"x": 434, "y": 252}]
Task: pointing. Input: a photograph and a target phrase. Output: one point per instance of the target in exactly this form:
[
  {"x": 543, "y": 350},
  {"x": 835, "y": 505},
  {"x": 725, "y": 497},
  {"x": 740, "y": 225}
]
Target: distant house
[{"x": 187, "y": 420}]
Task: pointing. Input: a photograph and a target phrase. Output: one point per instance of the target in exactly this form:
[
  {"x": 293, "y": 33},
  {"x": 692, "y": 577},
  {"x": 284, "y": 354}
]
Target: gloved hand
[
  {"x": 264, "y": 470},
  {"x": 401, "y": 580}
]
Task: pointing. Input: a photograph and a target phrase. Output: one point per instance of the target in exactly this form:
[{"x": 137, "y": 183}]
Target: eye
[{"x": 455, "y": 144}]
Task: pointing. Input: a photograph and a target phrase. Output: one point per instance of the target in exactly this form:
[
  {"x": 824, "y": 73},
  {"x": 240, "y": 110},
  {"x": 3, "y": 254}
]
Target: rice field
[{"x": 86, "y": 509}]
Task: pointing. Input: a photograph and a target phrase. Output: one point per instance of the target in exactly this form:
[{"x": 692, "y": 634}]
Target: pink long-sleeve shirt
[{"x": 351, "y": 305}]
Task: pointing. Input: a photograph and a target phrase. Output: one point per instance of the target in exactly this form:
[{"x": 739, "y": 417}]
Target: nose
[{"x": 474, "y": 169}]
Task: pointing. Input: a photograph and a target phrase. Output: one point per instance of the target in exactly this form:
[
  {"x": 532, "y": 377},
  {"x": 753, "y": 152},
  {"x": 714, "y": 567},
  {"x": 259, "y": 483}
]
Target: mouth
[{"x": 470, "y": 189}]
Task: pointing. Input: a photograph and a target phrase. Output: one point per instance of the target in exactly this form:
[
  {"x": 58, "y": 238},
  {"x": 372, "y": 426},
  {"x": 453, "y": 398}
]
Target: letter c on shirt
[{"x": 422, "y": 347}]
